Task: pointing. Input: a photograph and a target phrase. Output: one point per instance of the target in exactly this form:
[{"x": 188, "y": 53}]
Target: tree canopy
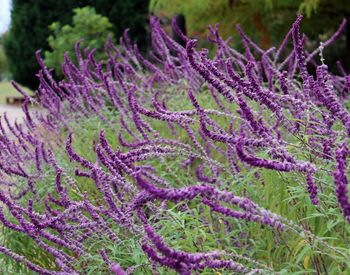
[
  {"x": 265, "y": 21},
  {"x": 28, "y": 32},
  {"x": 91, "y": 28},
  {"x": 29, "y": 28}
]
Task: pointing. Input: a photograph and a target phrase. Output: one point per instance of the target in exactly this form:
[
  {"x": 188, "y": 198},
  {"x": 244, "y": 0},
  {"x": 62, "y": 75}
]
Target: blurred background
[{"x": 55, "y": 26}]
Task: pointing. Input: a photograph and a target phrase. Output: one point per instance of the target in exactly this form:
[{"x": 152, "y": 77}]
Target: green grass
[{"x": 6, "y": 89}]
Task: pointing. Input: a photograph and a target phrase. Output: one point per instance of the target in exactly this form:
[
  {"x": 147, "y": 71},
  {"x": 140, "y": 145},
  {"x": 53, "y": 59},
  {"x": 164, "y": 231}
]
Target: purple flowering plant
[{"x": 180, "y": 163}]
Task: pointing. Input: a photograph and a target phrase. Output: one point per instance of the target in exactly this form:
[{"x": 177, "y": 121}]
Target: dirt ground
[{"x": 12, "y": 112}]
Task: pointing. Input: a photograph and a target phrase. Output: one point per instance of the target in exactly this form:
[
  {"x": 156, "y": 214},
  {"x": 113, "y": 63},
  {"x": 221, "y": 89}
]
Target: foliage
[
  {"x": 200, "y": 14},
  {"x": 93, "y": 29},
  {"x": 181, "y": 163},
  {"x": 265, "y": 21},
  {"x": 3, "y": 59},
  {"x": 29, "y": 28},
  {"x": 28, "y": 32},
  {"x": 125, "y": 14},
  {"x": 3, "y": 63}
]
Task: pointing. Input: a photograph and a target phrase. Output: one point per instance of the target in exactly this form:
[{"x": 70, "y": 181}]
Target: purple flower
[
  {"x": 341, "y": 180},
  {"x": 116, "y": 268}
]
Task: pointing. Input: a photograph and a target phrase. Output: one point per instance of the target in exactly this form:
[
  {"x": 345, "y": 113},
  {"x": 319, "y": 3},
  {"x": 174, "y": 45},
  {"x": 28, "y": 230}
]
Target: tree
[
  {"x": 92, "y": 28},
  {"x": 199, "y": 14},
  {"x": 28, "y": 32},
  {"x": 324, "y": 17},
  {"x": 3, "y": 63},
  {"x": 123, "y": 14},
  {"x": 30, "y": 20},
  {"x": 266, "y": 21},
  {"x": 3, "y": 59}
]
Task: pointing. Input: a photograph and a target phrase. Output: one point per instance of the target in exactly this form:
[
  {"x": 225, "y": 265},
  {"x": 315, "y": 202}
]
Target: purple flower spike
[
  {"x": 116, "y": 268},
  {"x": 341, "y": 181},
  {"x": 312, "y": 189}
]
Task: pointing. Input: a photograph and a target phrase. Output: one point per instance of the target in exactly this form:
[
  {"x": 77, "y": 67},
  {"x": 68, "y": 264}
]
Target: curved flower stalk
[
  {"x": 186, "y": 262},
  {"x": 341, "y": 181}
]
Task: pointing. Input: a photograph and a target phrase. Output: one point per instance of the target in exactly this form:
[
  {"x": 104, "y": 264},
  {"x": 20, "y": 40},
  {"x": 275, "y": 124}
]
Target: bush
[
  {"x": 93, "y": 29},
  {"x": 29, "y": 28},
  {"x": 28, "y": 32},
  {"x": 182, "y": 163}
]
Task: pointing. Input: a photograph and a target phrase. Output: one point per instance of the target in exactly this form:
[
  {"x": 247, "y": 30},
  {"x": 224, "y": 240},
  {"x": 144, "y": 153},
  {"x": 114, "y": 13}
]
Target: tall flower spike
[
  {"x": 312, "y": 188},
  {"x": 341, "y": 181},
  {"x": 116, "y": 268}
]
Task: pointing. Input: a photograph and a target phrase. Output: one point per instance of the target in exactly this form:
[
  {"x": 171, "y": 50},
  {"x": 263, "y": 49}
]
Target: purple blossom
[{"x": 341, "y": 180}]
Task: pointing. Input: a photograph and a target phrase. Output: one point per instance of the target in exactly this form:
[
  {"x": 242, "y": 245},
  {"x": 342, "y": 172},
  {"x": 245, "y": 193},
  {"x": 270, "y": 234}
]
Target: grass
[{"x": 6, "y": 89}]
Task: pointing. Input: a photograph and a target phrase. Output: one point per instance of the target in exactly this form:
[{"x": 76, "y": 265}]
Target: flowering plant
[{"x": 245, "y": 151}]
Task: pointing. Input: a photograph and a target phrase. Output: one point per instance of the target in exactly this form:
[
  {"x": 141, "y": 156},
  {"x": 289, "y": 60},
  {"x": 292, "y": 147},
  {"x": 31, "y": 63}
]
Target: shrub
[
  {"x": 93, "y": 29},
  {"x": 29, "y": 28},
  {"x": 182, "y": 163},
  {"x": 28, "y": 32}
]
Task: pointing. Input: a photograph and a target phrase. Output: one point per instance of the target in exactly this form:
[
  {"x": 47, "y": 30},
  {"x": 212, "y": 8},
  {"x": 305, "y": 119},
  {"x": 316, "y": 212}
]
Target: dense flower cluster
[{"x": 257, "y": 94}]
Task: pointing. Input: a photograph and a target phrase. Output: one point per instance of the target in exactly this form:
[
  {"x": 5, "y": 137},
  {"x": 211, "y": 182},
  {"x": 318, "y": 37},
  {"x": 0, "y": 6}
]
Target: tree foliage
[
  {"x": 123, "y": 14},
  {"x": 265, "y": 21},
  {"x": 28, "y": 32},
  {"x": 29, "y": 28},
  {"x": 3, "y": 61},
  {"x": 93, "y": 29},
  {"x": 199, "y": 14}
]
